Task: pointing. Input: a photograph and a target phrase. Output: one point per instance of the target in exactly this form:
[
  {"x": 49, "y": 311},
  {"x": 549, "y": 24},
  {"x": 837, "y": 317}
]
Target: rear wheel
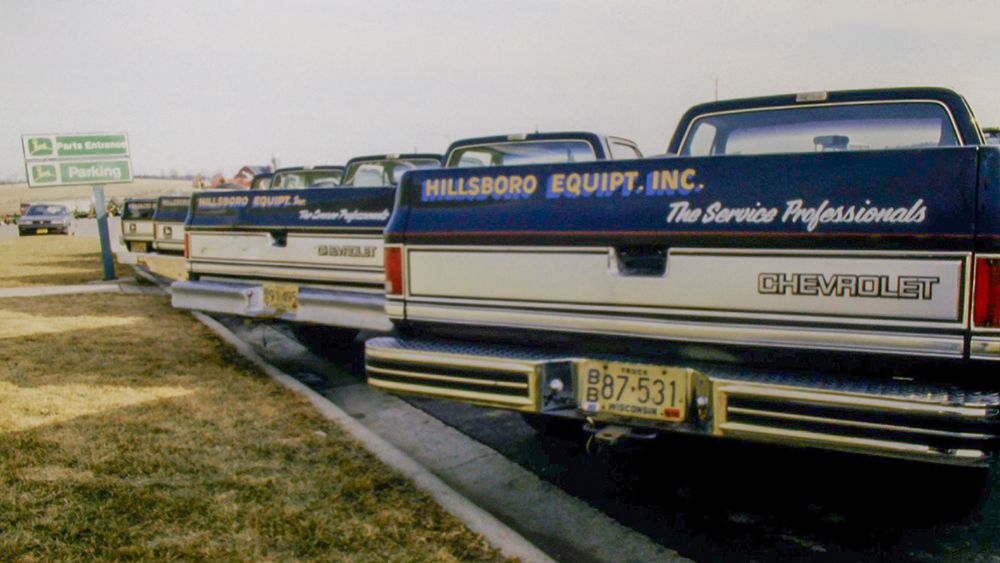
[{"x": 325, "y": 341}]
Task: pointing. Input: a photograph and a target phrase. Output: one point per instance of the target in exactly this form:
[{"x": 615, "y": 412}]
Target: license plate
[
  {"x": 139, "y": 247},
  {"x": 42, "y": 231},
  {"x": 634, "y": 390},
  {"x": 281, "y": 297}
]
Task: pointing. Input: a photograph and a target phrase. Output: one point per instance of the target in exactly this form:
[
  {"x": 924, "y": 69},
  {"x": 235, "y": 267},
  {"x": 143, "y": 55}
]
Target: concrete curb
[
  {"x": 498, "y": 534},
  {"x": 113, "y": 286}
]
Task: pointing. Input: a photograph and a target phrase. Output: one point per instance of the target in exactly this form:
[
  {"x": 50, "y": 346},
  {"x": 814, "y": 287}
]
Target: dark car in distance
[{"x": 44, "y": 218}]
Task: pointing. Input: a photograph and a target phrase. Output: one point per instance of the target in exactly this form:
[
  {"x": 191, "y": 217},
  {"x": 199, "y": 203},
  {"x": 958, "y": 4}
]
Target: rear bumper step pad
[{"x": 315, "y": 305}]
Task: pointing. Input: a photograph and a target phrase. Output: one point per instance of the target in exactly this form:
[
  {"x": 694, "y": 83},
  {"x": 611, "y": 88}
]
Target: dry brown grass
[
  {"x": 11, "y": 196},
  {"x": 50, "y": 260},
  {"x": 129, "y": 432},
  {"x": 167, "y": 266}
]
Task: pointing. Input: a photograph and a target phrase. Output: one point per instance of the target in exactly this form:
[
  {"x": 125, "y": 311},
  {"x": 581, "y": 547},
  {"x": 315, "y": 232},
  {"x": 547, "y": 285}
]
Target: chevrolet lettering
[{"x": 848, "y": 285}]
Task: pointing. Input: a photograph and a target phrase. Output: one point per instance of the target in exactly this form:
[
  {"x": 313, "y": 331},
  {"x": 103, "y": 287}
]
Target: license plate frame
[
  {"x": 42, "y": 231},
  {"x": 281, "y": 297},
  {"x": 637, "y": 391}
]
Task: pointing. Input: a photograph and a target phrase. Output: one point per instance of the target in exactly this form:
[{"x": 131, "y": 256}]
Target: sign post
[
  {"x": 102, "y": 230},
  {"x": 79, "y": 159}
]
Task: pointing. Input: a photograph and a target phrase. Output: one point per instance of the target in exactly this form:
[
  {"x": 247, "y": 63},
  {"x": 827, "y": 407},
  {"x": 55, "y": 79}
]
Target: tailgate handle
[
  {"x": 646, "y": 260},
  {"x": 279, "y": 238}
]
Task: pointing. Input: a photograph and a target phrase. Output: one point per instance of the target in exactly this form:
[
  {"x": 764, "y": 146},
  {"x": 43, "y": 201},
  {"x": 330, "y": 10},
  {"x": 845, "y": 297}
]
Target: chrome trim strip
[
  {"x": 258, "y": 270},
  {"x": 729, "y": 334},
  {"x": 862, "y": 445},
  {"x": 856, "y": 424},
  {"x": 431, "y": 358},
  {"x": 518, "y": 403},
  {"x": 434, "y": 377},
  {"x": 871, "y": 403},
  {"x": 320, "y": 235},
  {"x": 982, "y": 348},
  {"x": 573, "y": 308}
]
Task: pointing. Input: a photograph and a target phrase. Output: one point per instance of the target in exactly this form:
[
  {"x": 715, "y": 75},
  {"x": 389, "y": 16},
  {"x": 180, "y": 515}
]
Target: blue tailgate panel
[
  {"x": 348, "y": 208},
  {"x": 923, "y": 198}
]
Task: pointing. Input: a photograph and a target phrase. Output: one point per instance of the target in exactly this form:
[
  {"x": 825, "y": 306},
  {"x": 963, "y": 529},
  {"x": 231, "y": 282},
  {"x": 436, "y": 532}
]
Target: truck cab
[{"x": 817, "y": 270}]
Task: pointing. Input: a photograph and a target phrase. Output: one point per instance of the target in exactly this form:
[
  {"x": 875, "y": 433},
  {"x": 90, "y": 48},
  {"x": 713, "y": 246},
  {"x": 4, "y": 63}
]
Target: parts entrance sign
[{"x": 66, "y": 160}]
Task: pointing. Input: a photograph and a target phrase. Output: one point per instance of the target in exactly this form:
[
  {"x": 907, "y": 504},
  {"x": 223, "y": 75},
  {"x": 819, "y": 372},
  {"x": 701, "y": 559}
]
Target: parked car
[{"x": 45, "y": 218}]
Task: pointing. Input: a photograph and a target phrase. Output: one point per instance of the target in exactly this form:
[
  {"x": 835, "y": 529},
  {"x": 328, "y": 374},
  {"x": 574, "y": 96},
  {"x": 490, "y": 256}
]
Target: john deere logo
[
  {"x": 39, "y": 147},
  {"x": 43, "y": 173}
]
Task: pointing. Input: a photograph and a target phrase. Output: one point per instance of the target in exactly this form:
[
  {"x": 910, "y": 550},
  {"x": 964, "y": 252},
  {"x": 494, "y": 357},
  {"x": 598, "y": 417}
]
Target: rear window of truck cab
[
  {"x": 306, "y": 179},
  {"x": 377, "y": 173},
  {"x": 522, "y": 152},
  {"x": 139, "y": 210},
  {"x": 835, "y": 127}
]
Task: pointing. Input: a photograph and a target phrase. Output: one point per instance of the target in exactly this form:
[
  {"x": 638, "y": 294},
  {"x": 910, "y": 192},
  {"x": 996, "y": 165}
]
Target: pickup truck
[
  {"x": 137, "y": 224},
  {"x": 817, "y": 270},
  {"x": 314, "y": 257},
  {"x": 168, "y": 224},
  {"x": 295, "y": 253}
]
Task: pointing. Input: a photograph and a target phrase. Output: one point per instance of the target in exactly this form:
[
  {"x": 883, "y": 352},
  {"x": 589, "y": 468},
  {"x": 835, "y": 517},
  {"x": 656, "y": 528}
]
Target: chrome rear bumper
[
  {"x": 320, "y": 306},
  {"x": 884, "y": 418}
]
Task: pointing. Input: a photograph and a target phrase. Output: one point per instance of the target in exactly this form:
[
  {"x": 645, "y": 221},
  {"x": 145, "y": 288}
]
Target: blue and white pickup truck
[
  {"x": 137, "y": 224},
  {"x": 819, "y": 270},
  {"x": 168, "y": 224},
  {"x": 296, "y": 253},
  {"x": 314, "y": 256}
]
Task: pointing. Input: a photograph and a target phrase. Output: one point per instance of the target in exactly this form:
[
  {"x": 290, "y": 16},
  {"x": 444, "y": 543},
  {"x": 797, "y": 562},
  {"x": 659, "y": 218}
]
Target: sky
[{"x": 207, "y": 86}]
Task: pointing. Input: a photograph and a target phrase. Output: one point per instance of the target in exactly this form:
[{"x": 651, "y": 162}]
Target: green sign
[
  {"x": 72, "y": 172},
  {"x": 40, "y": 147}
]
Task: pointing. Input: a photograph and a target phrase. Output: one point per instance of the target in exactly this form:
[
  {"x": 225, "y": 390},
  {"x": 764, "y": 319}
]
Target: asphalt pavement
[{"x": 715, "y": 500}]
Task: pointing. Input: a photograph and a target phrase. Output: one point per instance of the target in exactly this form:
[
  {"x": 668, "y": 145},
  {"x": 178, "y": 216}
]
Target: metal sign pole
[{"x": 102, "y": 229}]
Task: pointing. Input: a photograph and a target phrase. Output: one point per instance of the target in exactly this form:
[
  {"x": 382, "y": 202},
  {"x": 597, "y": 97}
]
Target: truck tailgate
[{"x": 861, "y": 251}]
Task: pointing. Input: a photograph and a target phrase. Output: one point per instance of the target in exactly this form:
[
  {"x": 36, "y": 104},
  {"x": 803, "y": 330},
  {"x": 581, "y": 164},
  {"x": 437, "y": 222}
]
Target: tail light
[
  {"x": 187, "y": 245},
  {"x": 394, "y": 270},
  {"x": 986, "y": 301},
  {"x": 156, "y": 231}
]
